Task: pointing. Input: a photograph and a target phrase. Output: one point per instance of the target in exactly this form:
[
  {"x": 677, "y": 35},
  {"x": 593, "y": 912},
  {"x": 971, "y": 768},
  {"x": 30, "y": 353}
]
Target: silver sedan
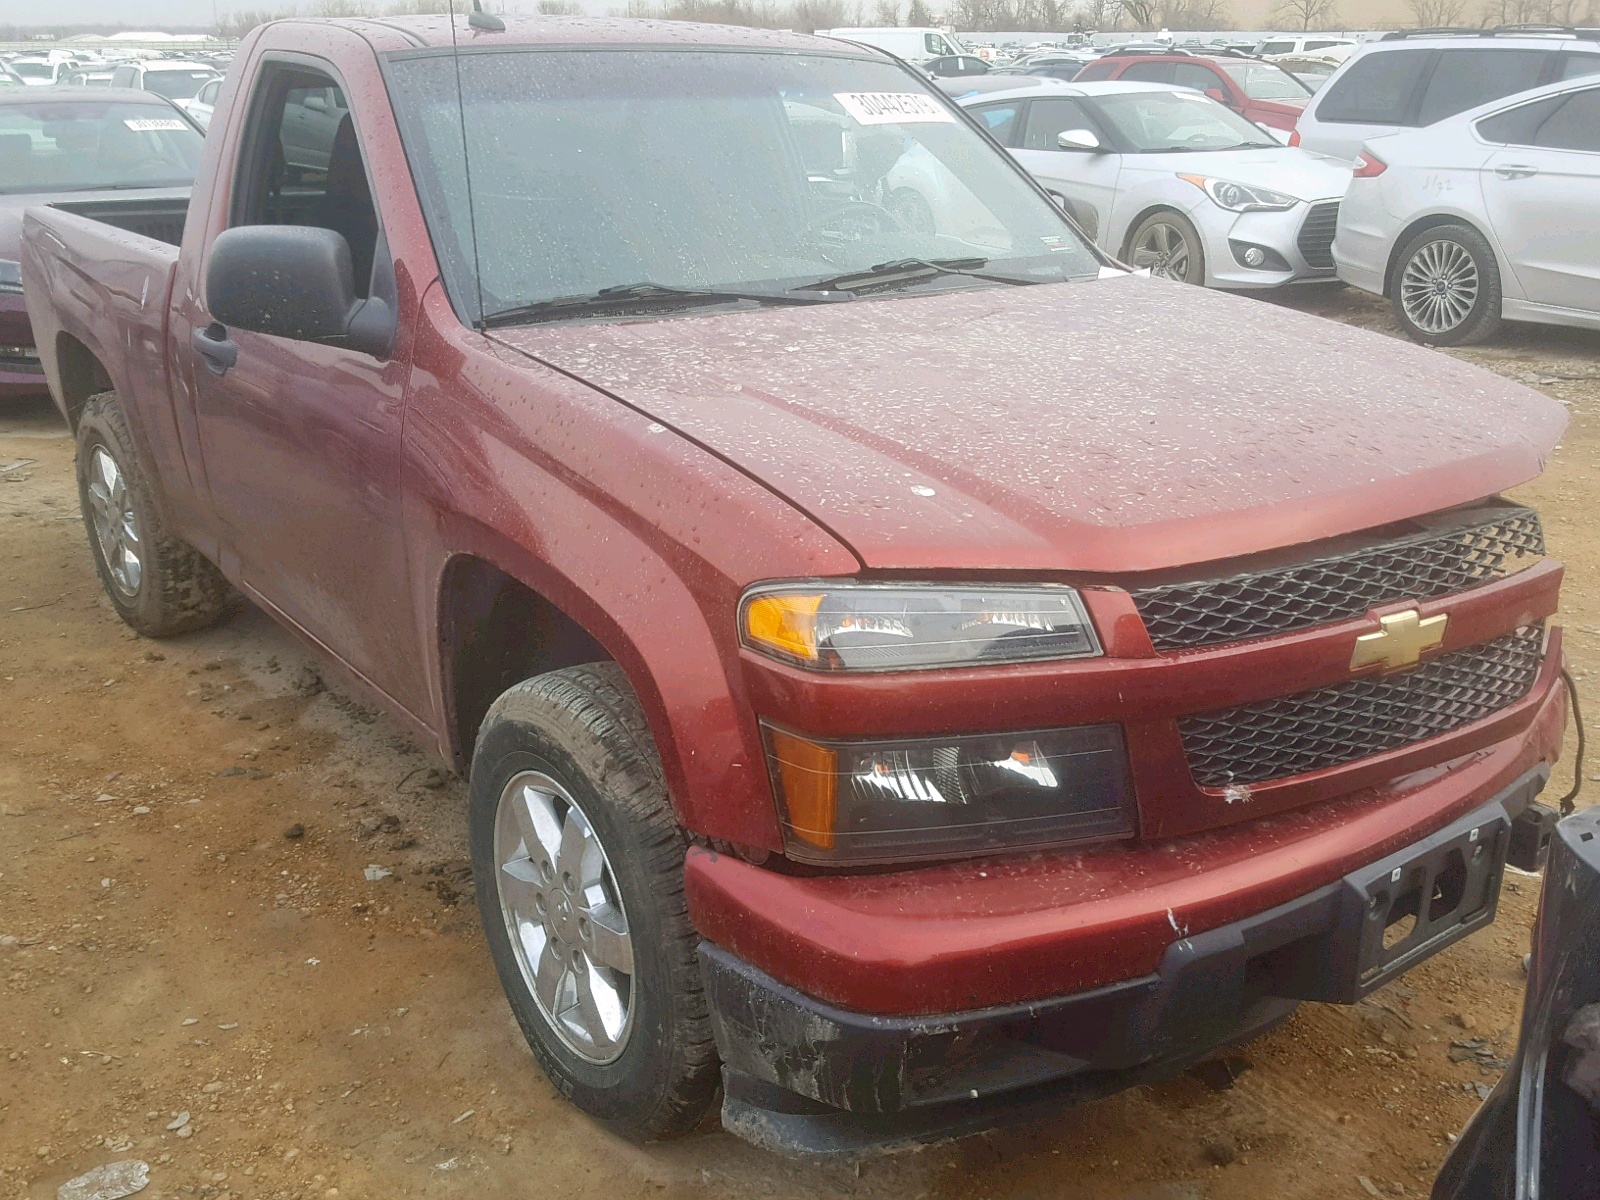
[{"x": 1490, "y": 215}]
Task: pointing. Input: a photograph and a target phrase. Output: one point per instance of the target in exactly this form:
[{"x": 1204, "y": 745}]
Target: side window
[
  {"x": 1148, "y": 72},
  {"x": 1517, "y": 126},
  {"x": 1191, "y": 76},
  {"x": 1467, "y": 78},
  {"x": 122, "y": 77},
  {"x": 1376, "y": 90},
  {"x": 1573, "y": 126},
  {"x": 1314, "y": 44},
  {"x": 1000, "y": 120},
  {"x": 1576, "y": 66},
  {"x": 1275, "y": 48},
  {"x": 1047, "y": 118},
  {"x": 1096, "y": 70},
  {"x": 935, "y": 44},
  {"x": 302, "y": 164}
]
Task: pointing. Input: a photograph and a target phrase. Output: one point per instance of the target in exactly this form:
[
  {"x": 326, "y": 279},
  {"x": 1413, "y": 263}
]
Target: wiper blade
[
  {"x": 656, "y": 297},
  {"x": 909, "y": 270}
]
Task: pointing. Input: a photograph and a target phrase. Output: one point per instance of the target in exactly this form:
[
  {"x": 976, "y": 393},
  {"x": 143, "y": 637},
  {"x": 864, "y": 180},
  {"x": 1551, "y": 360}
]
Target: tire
[
  {"x": 563, "y": 756},
  {"x": 1169, "y": 245},
  {"x": 1446, "y": 287},
  {"x": 159, "y": 584}
]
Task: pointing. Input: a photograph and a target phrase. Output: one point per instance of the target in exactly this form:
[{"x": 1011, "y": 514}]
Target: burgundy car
[
  {"x": 72, "y": 147},
  {"x": 1258, "y": 91},
  {"x": 909, "y": 675}
]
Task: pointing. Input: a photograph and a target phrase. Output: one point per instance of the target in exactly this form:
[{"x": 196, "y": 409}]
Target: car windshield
[
  {"x": 708, "y": 170},
  {"x": 86, "y": 145},
  {"x": 1263, "y": 81},
  {"x": 1172, "y": 122},
  {"x": 177, "y": 85},
  {"x": 34, "y": 70}
]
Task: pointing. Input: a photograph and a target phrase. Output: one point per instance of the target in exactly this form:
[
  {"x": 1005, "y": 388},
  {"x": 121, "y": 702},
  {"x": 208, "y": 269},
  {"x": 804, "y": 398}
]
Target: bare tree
[
  {"x": 1098, "y": 15},
  {"x": 1142, "y": 13},
  {"x": 1305, "y": 14},
  {"x": 886, "y": 12},
  {"x": 918, "y": 14},
  {"x": 1437, "y": 14},
  {"x": 1196, "y": 14}
]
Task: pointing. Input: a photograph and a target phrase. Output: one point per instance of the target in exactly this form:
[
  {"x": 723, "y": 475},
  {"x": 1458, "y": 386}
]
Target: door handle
[
  {"x": 1516, "y": 171},
  {"x": 213, "y": 345}
]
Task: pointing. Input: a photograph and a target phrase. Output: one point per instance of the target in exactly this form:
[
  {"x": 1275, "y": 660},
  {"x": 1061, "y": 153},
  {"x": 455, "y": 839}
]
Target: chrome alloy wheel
[
  {"x": 1164, "y": 250},
  {"x": 116, "y": 527},
  {"x": 565, "y": 917},
  {"x": 1439, "y": 286}
]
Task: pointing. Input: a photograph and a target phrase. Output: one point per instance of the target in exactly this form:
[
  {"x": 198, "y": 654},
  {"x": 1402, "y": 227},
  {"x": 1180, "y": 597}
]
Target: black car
[{"x": 952, "y": 65}]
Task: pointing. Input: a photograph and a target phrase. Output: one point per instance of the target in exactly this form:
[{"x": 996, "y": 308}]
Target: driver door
[{"x": 1087, "y": 179}]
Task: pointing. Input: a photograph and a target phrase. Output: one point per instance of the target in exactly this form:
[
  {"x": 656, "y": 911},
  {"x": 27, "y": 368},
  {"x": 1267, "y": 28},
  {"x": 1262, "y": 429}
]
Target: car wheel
[
  {"x": 1446, "y": 289},
  {"x": 1167, "y": 245},
  {"x": 578, "y": 865},
  {"x": 158, "y": 583}
]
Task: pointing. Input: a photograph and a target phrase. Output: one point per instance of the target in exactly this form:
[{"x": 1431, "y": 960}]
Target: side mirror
[
  {"x": 294, "y": 281},
  {"x": 315, "y": 103},
  {"x": 1217, "y": 94},
  {"x": 1077, "y": 139}
]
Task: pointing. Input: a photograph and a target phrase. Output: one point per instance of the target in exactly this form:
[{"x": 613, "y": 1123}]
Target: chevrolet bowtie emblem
[{"x": 1400, "y": 642}]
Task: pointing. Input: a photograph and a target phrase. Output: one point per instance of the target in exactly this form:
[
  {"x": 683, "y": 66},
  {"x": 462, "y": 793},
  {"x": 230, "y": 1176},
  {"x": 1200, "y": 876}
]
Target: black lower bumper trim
[{"x": 805, "y": 1077}]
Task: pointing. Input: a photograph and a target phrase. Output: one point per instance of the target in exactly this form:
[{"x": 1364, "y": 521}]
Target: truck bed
[{"x": 159, "y": 218}]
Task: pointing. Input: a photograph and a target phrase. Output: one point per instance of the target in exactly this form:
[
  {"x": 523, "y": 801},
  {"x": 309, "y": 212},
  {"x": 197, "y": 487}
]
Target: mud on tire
[
  {"x": 159, "y": 584},
  {"x": 570, "y": 742}
]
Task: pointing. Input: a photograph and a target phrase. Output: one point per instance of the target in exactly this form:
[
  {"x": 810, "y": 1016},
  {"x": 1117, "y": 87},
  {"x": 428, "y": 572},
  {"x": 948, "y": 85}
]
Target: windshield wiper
[
  {"x": 909, "y": 270},
  {"x": 634, "y": 297}
]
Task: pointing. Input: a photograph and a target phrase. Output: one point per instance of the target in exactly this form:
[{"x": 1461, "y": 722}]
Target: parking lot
[{"x": 239, "y": 942}]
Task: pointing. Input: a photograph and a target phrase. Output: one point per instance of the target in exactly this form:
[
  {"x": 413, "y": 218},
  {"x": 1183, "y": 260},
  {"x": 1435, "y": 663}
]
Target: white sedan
[
  {"x": 1493, "y": 214},
  {"x": 1168, "y": 179}
]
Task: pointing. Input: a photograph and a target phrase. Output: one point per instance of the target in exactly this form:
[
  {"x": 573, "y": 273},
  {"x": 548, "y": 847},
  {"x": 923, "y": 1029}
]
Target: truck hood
[
  {"x": 1286, "y": 169},
  {"x": 1124, "y": 425}
]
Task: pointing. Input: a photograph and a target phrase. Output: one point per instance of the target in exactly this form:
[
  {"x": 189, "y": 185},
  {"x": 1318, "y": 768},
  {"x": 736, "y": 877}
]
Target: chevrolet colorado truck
[{"x": 913, "y": 673}]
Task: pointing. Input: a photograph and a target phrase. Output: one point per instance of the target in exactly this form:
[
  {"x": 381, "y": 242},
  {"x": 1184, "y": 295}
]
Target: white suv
[{"x": 1417, "y": 77}]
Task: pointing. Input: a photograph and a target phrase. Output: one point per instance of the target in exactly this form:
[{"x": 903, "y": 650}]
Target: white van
[{"x": 913, "y": 43}]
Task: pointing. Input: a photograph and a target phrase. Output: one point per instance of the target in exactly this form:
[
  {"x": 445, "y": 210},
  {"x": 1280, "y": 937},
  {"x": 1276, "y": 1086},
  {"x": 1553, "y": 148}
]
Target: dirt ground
[{"x": 186, "y": 927}]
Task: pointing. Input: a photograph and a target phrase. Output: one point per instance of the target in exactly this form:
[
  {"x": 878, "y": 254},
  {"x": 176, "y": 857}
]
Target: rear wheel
[
  {"x": 158, "y": 583},
  {"x": 578, "y": 864},
  {"x": 1167, "y": 244},
  {"x": 1446, "y": 289}
]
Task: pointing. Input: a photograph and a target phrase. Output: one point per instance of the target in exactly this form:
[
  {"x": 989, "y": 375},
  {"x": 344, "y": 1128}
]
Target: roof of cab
[
  {"x": 435, "y": 31},
  {"x": 61, "y": 94}
]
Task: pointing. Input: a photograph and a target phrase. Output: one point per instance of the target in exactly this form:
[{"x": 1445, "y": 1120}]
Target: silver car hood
[{"x": 1287, "y": 169}]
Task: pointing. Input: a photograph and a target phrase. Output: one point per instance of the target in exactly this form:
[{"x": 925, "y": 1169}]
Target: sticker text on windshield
[{"x": 892, "y": 108}]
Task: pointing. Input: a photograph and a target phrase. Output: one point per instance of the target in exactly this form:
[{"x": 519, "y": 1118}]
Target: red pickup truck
[{"x": 913, "y": 673}]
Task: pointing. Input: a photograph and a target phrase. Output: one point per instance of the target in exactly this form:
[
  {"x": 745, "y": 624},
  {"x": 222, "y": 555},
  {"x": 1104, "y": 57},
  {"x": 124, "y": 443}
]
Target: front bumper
[
  {"x": 21, "y": 372},
  {"x": 1293, "y": 242},
  {"x": 802, "y": 1076}
]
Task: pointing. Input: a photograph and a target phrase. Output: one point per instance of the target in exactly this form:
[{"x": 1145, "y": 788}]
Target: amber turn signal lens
[
  {"x": 786, "y": 623},
  {"x": 809, "y": 776}
]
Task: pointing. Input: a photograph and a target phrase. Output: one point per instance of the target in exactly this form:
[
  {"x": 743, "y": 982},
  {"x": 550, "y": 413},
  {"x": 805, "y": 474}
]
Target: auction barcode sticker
[
  {"x": 152, "y": 124},
  {"x": 892, "y": 108}
]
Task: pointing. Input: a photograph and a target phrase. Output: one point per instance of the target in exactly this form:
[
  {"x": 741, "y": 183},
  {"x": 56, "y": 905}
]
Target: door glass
[
  {"x": 1000, "y": 120},
  {"x": 1576, "y": 66},
  {"x": 1375, "y": 90},
  {"x": 1518, "y": 126},
  {"x": 936, "y": 44},
  {"x": 1149, "y": 73},
  {"x": 1190, "y": 76},
  {"x": 1573, "y": 126},
  {"x": 1049, "y": 118},
  {"x": 308, "y": 167},
  {"x": 1467, "y": 78},
  {"x": 1275, "y": 48}
]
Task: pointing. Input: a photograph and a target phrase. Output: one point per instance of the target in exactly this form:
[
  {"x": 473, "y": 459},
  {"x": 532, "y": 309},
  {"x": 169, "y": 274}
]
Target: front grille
[
  {"x": 1473, "y": 548},
  {"x": 1330, "y": 726},
  {"x": 1316, "y": 235}
]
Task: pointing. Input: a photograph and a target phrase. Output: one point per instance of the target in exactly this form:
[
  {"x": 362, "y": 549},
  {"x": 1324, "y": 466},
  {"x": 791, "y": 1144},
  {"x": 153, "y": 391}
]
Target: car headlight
[
  {"x": 840, "y": 626},
  {"x": 1240, "y": 197},
  {"x": 10, "y": 276},
  {"x": 893, "y": 801}
]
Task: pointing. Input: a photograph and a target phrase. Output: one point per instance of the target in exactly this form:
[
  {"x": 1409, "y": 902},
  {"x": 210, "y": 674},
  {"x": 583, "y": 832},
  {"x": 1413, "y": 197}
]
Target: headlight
[
  {"x": 10, "y": 276},
  {"x": 891, "y": 801},
  {"x": 1240, "y": 197},
  {"x": 891, "y": 627}
]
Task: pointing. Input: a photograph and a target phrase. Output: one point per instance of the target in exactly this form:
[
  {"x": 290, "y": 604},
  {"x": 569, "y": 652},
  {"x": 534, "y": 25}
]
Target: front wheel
[
  {"x": 1168, "y": 245},
  {"x": 578, "y": 864},
  {"x": 1447, "y": 287}
]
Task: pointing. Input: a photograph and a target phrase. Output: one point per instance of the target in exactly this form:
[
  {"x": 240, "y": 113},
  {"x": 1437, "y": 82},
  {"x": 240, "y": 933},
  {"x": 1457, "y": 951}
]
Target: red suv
[{"x": 1258, "y": 91}]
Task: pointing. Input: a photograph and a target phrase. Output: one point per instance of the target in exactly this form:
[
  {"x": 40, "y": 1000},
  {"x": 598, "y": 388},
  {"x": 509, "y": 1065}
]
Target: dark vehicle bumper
[
  {"x": 807, "y": 1078},
  {"x": 21, "y": 372},
  {"x": 1538, "y": 1133}
]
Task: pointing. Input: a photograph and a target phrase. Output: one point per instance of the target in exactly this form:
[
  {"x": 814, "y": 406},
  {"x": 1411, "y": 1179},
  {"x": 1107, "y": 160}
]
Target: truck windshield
[
  {"x": 87, "y": 145},
  {"x": 713, "y": 171}
]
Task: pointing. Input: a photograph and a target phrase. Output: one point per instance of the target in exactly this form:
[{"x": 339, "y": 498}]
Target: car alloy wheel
[
  {"x": 116, "y": 525},
  {"x": 564, "y": 915},
  {"x": 1164, "y": 250},
  {"x": 1439, "y": 286}
]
